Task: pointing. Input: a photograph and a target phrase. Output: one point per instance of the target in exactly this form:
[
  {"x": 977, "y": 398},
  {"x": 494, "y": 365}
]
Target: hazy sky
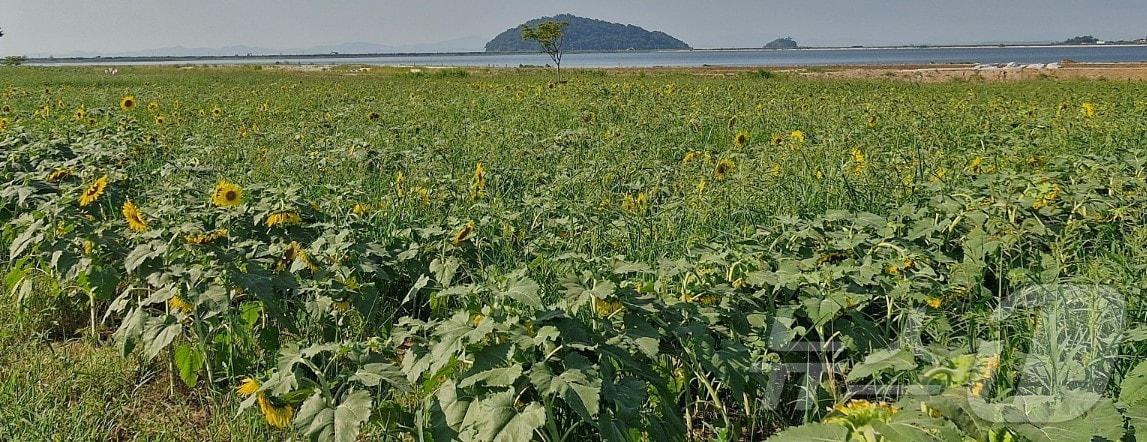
[{"x": 62, "y": 26}]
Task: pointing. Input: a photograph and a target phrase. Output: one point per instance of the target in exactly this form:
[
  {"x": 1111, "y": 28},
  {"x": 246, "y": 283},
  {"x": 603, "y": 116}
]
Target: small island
[
  {"x": 782, "y": 43},
  {"x": 587, "y": 34}
]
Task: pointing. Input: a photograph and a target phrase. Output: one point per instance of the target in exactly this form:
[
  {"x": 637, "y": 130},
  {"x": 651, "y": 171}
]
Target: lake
[{"x": 700, "y": 58}]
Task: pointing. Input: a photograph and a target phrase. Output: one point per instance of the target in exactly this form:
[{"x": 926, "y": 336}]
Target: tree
[{"x": 550, "y": 35}]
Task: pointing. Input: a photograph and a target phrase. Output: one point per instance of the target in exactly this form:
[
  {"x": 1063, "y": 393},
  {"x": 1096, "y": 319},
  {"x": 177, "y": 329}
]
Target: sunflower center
[{"x": 231, "y": 195}]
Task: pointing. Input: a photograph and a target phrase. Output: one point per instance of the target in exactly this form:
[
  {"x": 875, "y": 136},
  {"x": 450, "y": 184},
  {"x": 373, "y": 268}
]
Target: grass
[{"x": 77, "y": 388}]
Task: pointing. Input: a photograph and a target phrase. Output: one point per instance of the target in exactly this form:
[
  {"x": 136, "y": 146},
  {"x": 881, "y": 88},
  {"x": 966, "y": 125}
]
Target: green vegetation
[
  {"x": 265, "y": 254},
  {"x": 585, "y": 34},
  {"x": 550, "y": 35}
]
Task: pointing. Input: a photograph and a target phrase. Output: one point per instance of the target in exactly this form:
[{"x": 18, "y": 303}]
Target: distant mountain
[
  {"x": 586, "y": 34},
  {"x": 470, "y": 44}
]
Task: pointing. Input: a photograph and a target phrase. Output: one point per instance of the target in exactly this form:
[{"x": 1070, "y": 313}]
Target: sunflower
[
  {"x": 127, "y": 103},
  {"x": 464, "y": 234},
  {"x": 690, "y": 156},
  {"x": 360, "y": 209},
  {"x": 6, "y": 109},
  {"x": 294, "y": 252},
  {"x": 58, "y": 175},
  {"x": 741, "y": 139},
  {"x": 724, "y": 167},
  {"x": 1088, "y": 110},
  {"x": 278, "y": 416},
  {"x": 179, "y": 304},
  {"x": 604, "y": 307},
  {"x": 80, "y": 114},
  {"x": 160, "y": 120},
  {"x": 247, "y": 387},
  {"x": 153, "y": 106},
  {"x": 227, "y": 195},
  {"x": 205, "y": 238},
  {"x": 399, "y": 181},
  {"x": 94, "y": 191},
  {"x": 934, "y": 302},
  {"x": 778, "y": 140},
  {"x": 479, "y": 183},
  {"x": 374, "y": 116},
  {"x": 3, "y": 124},
  {"x": 858, "y": 413},
  {"x": 858, "y": 161},
  {"x": 134, "y": 219},
  {"x": 797, "y": 136},
  {"x": 216, "y": 112},
  {"x": 283, "y": 218}
]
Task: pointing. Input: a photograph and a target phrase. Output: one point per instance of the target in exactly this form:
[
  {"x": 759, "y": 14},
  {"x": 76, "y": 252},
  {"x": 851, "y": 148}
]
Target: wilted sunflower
[
  {"x": 724, "y": 168},
  {"x": 741, "y": 139},
  {"x": 127, "y": 103},
  {"x": 294, "y": 252},
  {"x": 6, "y": 109},
  {"x": 374, "y": 116},
  {"x": 690, "y": 156},
  {"x": 283, "y": 218},
  {"x": 94, "y": 190},
  {"x": 778, "y": 140},
  {"x": 58, "y": 175},
  {"x": 153, "y": 106},
  {"x": 464, "y": 234},
  {"x": 227, "y": 195},
  {"x": 134, "y": 219},
  {"x": 205, "y": 238},
  {"x": 278, "y": 416},
  {"x": 479, "y": 183}
]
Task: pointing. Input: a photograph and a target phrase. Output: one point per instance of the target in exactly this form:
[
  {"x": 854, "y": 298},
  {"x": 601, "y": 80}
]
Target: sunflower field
[{"x": 482, "y": 255}]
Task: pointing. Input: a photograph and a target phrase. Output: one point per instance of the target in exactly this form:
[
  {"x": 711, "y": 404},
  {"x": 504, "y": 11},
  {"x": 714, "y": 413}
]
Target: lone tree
[{"x": 550, "y": 35}]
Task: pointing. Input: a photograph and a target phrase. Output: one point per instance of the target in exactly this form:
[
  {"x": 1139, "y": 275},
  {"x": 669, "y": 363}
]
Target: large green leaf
[
  {"x": 885, "y": 360},
  {"x": 1133, "y": 390},
  {"x": 812, "y": 433},
  {"x": 189, "y": 362},
  {"x": 325, "y": 422},
  {"x": 499, "y": 420}
]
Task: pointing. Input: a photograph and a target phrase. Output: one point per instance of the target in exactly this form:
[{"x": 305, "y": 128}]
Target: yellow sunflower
[
  {"x": 160, "y": 120},
  {"x": 153, "y": 106},
  {"x": 283, "y": 219},
  {"x": 134, "y": 219},
  {"x": 94, "y": 191},
  {"x": 3, "y": 124},
  {"x": 1088, "y": 110},
  {"x": 741, "y": 139},
  {"x": 216, "y": 111},
  {"x": 227, "y": 195},
  {"x": 59, "y": 174},
  {"x": 797, "y": 136},
  {"x": 80, "y": 114},
  {"x": 178, "y": 304},
  {"x": 127, "y": 103},
  {"x": 248, "y": 387},
  {"x": 294, "y": 252}
]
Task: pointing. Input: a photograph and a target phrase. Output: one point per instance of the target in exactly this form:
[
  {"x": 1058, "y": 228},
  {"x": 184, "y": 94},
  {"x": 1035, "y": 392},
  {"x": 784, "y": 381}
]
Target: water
[{"x": 701, "y": 58}]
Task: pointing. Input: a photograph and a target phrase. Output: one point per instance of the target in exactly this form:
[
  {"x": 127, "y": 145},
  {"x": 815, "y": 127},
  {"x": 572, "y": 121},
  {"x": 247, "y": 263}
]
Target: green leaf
[
  {"x": 189, "y": 362},
  {"x": 812, "y": 433},
  {"x": 1076, "y": 417},
  {"x": 1133, "y": 389},
  {"x": 371, "y": 375},
  {"x": 884, "y": 360},
  {"x": 496, "y": 377},
  {"x": 525, "y": 291},
  {"x": 500, "y": 421},
  {"x": 324, "y": 422}
]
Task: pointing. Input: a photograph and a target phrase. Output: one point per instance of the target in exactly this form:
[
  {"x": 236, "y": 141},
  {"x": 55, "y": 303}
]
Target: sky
[{"x": 109, "y": 26}]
